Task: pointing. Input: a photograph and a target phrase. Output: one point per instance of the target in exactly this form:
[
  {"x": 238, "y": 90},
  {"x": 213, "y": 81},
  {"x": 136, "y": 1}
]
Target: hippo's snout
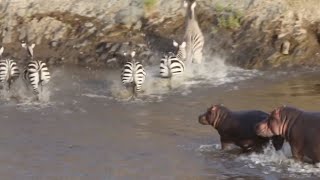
[
  {"x": 263, "y": 130},
  {"x": 203, "y": 120}
]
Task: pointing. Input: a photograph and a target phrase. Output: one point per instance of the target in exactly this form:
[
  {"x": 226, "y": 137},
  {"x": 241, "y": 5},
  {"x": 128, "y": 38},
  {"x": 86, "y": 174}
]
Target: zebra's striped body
[
  {"x": 9, "y": 70},
  {"x": 36, "y": 74},
  {"x": 133, "y": 73},
  {"x": 172, "y": 64},
  {"x": 193, "y": 35}
]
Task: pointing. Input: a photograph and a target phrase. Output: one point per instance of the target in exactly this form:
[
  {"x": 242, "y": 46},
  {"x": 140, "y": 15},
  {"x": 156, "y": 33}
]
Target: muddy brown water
[{"x": 87, "y": 129}]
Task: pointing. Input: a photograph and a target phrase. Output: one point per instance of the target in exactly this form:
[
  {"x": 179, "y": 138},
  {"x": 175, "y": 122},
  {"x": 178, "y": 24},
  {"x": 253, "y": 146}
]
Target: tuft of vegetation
[
  {"x": 227, "y": 17},
  {"x": 219, "y": 8},
  {"x": 150, "y": 3},
  {"x": 229, "y": 22}
]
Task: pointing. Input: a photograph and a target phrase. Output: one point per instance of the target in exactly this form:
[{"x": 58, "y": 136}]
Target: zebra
[
  {"x": 172, "y": 64},
  {"x": 9, "y": 71},
  {"x": 133, "y": 74},
  {"x": 36, "y": 72},
  {"x": 193, "y": 35}
]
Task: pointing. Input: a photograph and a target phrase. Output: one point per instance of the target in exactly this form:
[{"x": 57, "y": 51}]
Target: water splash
[
  {"x": 280, "y": 161},
  {"x": 213, "y": 72},
  {"x": 209, "y": 148}
]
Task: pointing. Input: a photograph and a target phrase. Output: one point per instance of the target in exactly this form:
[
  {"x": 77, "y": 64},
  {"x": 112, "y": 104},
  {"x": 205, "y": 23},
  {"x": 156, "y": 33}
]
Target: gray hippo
[
  {"x": 301, "y": 129},
  {"x": 238, "y": 127}
]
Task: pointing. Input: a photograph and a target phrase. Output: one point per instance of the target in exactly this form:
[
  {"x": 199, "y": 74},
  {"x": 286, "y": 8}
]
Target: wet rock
[
  {"x": 130, "y": 15},
  {"x": 285, "y": 47},
  {"x": 86, "y": 59},
  {"x": 88, "y": 24},
  {"x": 113, "y": 63},
  {"x": 54, "y": 43},
  {"x": 53, "y": 60}
]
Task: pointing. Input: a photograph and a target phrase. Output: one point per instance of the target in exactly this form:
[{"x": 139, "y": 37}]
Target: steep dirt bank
[{"x": 250, "y": 33}]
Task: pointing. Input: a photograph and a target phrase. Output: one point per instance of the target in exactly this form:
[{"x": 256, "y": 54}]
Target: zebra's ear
[
  {"x": 32, "y": 46},
  {"x": 175, "y": 44},
  {"x": 183, "y": 44},
  {"x": 1, "y": 50},
  {"x": 185, "y": 3},
  {"x": 24, "y": 45},
  {"x": 193, "y": 5},
  {"x": 133, "y": 53}
]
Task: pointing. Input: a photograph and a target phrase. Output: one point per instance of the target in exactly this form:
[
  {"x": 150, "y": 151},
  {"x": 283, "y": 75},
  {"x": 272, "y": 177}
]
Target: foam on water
[
  {"x": 213, "y": 72},
  {"x": 209, "y": 147},
  {"x": 95, "y": 96},
  {"x": 280, "y": 162},
  {"x": 23, "y": 96}
]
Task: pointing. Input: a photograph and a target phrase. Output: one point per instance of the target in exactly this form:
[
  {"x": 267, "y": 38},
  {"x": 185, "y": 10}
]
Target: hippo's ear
[
  {"x": 214, "y": 108},
  {"x": 277, "y": 113}
]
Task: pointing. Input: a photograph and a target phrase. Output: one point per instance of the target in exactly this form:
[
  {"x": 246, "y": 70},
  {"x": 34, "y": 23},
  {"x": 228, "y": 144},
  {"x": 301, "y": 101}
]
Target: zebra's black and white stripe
[
  {"x": 172, "y": 64},
  {"x": 36, "y": 73},
  {"x": 9, "y": 70},
  {"x": 133, "y": 73},
  {"x": 193, "y": 35}
]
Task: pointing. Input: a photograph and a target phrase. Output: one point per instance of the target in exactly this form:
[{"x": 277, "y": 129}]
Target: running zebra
[
  {"x": 36, "y": 73},
  {"x": 9, "y": 71},
  {"x": 193, "y": 35},
  {"x": 133, "y": 74},
  {"x": 172, "y": 64}
]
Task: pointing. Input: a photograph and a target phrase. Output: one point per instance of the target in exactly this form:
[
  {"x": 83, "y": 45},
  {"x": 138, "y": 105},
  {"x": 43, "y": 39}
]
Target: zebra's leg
[
  {"x": 37, "y": 96},
  {"x": 9, "y": 85},
  {"x": 40, "y": 93},
  {"x": 197, "y": 57},
  {"x": 133, "y": 92},
  {"x": 170, "y": 83}
]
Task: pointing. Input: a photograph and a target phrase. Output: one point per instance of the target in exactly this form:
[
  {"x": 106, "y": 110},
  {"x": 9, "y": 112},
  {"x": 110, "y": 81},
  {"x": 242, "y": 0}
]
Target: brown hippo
[
  {"x": 301, "y": 129},
  {"x": 238, "y": 127}
]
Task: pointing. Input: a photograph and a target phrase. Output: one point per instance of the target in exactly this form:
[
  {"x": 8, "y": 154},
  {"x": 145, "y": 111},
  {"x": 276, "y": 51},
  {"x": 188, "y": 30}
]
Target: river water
[{"x": 85, "y": 127}]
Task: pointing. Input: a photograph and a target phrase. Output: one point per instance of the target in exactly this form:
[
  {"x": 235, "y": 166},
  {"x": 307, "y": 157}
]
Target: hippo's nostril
[
  {"x": 202, "y": 120},
  {"x": 257, "y": 128}
]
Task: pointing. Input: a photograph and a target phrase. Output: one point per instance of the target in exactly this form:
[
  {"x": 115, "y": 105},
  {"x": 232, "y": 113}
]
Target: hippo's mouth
[
  {"x": 263, "y": 130},
  {"x": 203, "y": 120}
]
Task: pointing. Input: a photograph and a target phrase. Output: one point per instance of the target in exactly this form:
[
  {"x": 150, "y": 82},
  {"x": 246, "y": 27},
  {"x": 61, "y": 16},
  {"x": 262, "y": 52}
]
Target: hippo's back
[{"x": 247, "y": 120}]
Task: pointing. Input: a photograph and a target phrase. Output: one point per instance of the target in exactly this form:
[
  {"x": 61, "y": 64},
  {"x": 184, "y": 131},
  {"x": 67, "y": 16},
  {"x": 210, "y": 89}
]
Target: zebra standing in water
[
  {"x": 9, "y": 71},
  {"x": 133, "y": 74},
  {"x": 172, "y": 64},
  {"x": 193, "y": 35},
  {"x": 36, "y": 73}
]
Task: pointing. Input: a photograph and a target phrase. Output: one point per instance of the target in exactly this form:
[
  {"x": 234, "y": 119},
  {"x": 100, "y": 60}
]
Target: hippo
[
  {"x": 299, "y": 128},
  {"x": 238, "y": 127}
]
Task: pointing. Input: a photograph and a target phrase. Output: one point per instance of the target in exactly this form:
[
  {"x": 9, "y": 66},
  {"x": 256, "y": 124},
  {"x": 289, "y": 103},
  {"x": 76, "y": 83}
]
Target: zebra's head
[
  {"x": 1, "y": 50},
  {"x": 133, "y": 53},
  {"x": 29, "y": 48},
  {"x": 131, "y": 57},
  {"x": 190, "y": 6},
  {"x": 181, "y": 51}
]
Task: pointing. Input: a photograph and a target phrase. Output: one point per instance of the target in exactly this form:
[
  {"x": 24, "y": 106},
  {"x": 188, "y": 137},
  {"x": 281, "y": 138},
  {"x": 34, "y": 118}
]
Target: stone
[
  {"x": 285, "y": 47},
  {"x": 88, "y": 24}
]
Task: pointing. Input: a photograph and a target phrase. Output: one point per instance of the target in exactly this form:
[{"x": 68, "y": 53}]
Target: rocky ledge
[{"x": 250, "y": 33}]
